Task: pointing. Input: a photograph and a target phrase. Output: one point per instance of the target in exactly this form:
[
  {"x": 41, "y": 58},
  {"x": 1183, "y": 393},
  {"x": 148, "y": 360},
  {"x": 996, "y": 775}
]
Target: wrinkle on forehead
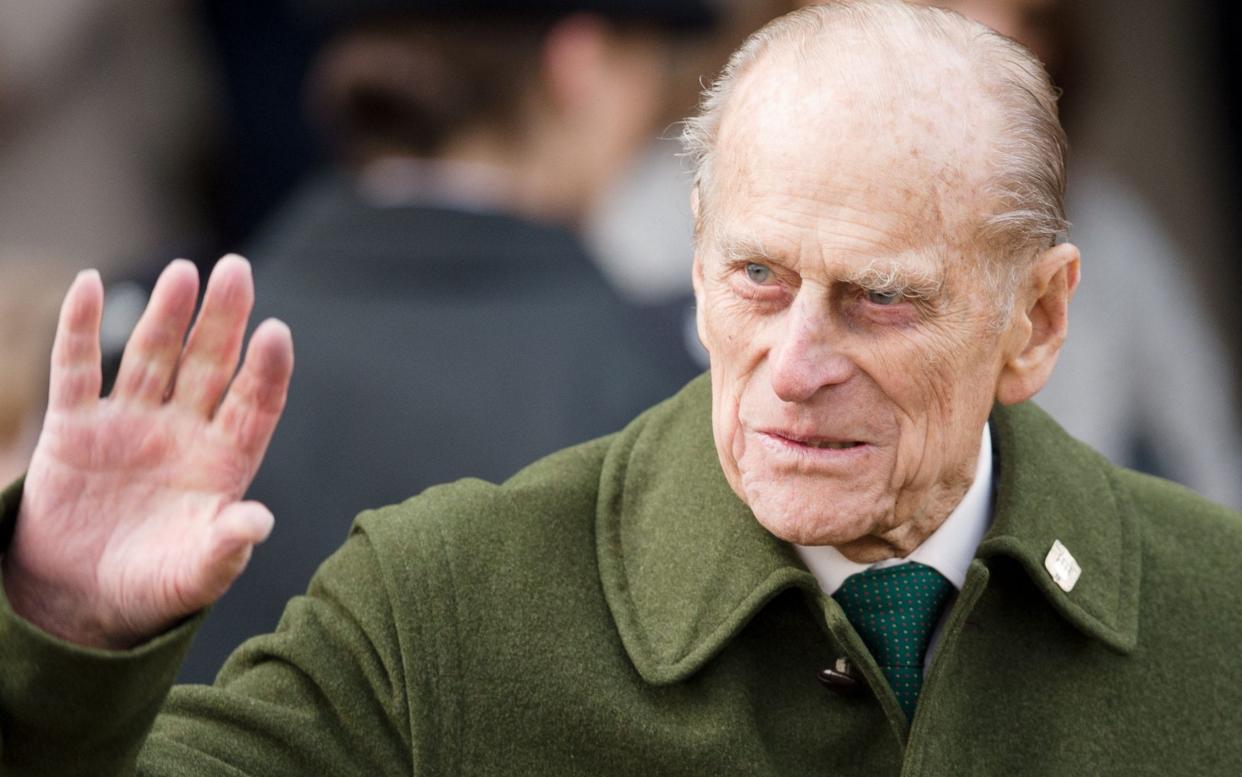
[{"x": 903, "y": 131}]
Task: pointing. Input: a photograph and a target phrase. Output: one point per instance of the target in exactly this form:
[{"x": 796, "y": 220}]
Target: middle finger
[{"x": 211, "y": 352}]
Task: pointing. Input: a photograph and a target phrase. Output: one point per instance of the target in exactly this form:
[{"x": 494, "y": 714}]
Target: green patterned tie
[{"x": 895, "y": 611}]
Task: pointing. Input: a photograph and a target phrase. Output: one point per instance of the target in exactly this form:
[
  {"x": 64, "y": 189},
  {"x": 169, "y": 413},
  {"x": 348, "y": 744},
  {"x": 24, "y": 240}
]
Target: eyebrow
[
  {"x": 881, "y": 275},
  {"x": 891, "y": 276},
  {"x": 739, "y": 249}
]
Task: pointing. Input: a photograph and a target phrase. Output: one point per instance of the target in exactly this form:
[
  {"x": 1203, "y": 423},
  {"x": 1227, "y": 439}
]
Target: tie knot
[{"x": 895, "y": 610}]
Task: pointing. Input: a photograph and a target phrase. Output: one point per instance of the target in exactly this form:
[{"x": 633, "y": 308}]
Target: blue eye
[
  {"x": 758, "y": 273},
  {"x": 884, "y": 297}
]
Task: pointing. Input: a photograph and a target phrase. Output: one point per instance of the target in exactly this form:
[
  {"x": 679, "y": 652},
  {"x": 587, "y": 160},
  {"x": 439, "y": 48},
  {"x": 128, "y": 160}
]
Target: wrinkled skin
[
  {"x": 842, "y": 303},
  {"x": 132, "y": 515}
]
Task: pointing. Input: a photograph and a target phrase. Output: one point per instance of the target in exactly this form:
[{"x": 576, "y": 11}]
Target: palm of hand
[
  {"x": 130, "y": 518},
  {"x": 129, "y": 484}
]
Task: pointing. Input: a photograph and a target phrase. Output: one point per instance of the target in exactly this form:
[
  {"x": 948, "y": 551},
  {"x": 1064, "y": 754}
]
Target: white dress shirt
[{"x": 949, "y": 550}]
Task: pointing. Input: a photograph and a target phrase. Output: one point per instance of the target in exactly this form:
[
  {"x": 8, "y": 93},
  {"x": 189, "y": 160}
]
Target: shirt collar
[
  {"x": 948, "y": 550},
  {"x": 397, "y": 181}
]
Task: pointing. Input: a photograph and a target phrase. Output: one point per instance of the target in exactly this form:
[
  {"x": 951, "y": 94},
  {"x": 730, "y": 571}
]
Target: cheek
[
  {"x": 721, "y": 324},
  {"x": 943, "y": 394},
  {"x": 733, "y": 337},
  {"x": 727, "y": 388},
  {"x": 735, "y": 356}
]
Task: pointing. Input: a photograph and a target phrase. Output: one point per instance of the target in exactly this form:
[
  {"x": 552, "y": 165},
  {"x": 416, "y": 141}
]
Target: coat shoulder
[
  {"x": 470, "y": 516},
  {"x": 546, "y": 513},
  {"x": 1181, "y": 528}
]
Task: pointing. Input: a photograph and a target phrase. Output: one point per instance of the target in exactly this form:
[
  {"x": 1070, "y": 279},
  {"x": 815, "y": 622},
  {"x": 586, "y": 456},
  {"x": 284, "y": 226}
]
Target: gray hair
[{"x": 1026, "y": 182}]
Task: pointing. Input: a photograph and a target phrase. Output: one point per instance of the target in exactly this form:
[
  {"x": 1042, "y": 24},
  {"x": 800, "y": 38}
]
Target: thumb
[
  {"x": 249, "y": 522},
  {"x": 237, "y": 529}
]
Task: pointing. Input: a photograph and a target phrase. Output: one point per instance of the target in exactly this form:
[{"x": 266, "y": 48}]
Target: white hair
[{"x": 1025, "y": 173}]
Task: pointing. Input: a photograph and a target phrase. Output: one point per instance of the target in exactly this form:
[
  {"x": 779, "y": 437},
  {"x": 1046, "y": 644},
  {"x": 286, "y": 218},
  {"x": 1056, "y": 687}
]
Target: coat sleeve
[{"x": 324, "y": 694}]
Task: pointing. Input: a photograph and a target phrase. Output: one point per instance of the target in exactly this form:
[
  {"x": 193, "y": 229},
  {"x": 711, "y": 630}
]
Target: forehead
[{"x": 876, "y": 158}]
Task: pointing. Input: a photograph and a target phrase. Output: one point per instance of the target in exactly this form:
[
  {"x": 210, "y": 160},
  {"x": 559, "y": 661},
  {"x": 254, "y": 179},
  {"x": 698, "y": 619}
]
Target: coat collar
[
  {"x": 1052, "y": 487},
  {"x": 421, "y": 245},
  {"x": 408, "y": 249},
  {"x": 684, "y": 565},
  {"x": 683, "y": 562}
]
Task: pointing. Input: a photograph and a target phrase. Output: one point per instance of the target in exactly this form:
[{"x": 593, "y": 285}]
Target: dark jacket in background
[{"x": 431, "y": 344}]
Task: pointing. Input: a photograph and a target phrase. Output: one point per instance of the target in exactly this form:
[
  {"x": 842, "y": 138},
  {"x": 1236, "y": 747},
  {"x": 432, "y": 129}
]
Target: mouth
[
  {"x": 790, "y": 440},
  {"x": 830, "y": 445}
]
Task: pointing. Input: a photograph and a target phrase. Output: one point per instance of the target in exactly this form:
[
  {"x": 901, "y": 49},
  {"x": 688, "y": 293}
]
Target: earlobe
[
  {"x": 1040, "y": 325},
  {"x": 696, "y": 280},
  {"x": 696, "y": 271}
]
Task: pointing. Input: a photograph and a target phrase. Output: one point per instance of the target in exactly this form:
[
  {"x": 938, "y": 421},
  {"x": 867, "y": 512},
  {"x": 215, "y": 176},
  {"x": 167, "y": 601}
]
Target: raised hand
[{"x": 131, "y": 516}]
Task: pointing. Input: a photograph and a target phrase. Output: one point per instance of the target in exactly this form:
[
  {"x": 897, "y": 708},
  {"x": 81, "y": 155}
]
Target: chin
[{"x": 811, "y": 517}]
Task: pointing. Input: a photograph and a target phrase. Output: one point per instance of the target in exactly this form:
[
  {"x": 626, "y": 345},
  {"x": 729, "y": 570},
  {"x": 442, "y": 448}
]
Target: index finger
[{"x": 76, "y": 375}]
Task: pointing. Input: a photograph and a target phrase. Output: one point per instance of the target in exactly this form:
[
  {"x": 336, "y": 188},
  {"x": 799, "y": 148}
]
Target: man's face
[{"x": 853, "y": 356}]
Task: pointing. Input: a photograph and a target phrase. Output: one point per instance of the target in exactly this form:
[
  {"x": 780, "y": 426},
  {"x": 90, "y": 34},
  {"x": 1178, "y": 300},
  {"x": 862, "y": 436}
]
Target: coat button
[{"x": 839, "y": 677}]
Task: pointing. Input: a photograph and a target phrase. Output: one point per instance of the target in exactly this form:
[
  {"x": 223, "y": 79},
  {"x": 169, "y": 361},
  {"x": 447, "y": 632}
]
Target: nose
[{"x": 805, "y": 359}]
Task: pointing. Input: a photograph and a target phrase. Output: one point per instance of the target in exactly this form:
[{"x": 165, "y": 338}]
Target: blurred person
[
  {"x": 641, "y": 231},
  {"x": 854, "y": 548},
  {"x": 104, "y": 113},
  {"x": 472, "y": 138},
  {"x": 262, "y": 49}
]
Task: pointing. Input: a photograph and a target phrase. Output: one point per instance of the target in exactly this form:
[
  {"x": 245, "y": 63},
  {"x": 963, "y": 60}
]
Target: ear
[
  {"x": 574, "y": 54},
  {"x": 696, "y": 279},
  {"x": 1039, "y": 324}
]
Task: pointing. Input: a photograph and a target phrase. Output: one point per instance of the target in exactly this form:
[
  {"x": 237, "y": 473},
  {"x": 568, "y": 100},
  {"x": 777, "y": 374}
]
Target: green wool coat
[{"x": 615, "y": 610}]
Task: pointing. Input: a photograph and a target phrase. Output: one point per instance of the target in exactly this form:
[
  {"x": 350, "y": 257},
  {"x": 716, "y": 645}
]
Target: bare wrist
[{"x": 60, "y": 613}]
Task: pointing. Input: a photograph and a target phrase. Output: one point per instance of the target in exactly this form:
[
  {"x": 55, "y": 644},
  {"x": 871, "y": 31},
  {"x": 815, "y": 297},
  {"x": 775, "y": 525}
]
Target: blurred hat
[
  {"x": 686, "y": 16},
  {"x": 683, "y": 16}
]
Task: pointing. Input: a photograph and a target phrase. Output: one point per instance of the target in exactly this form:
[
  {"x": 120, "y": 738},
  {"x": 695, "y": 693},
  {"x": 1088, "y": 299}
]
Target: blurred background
[{"x": 491, "y": 189}]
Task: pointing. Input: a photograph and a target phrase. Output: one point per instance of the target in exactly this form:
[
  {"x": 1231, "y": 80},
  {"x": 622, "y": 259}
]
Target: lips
[{"x": 821, "y": 443}]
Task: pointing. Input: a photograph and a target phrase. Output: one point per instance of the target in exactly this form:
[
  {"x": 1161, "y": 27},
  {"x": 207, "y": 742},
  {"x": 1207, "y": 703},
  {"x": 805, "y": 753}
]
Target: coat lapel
[
  {"x": 1052, "y": 487},
  {"x": 684, "y": 564}
]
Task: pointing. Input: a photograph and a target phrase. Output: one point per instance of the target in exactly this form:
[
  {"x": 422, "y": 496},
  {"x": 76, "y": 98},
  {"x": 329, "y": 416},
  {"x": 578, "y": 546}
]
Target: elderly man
[{"x": 851, "y": 551}]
